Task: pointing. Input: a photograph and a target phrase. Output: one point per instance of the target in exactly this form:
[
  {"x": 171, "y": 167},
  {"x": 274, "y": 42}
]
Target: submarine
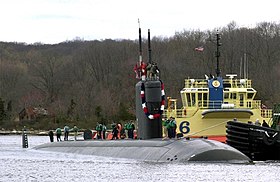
[{"x": 149, "y": 145}]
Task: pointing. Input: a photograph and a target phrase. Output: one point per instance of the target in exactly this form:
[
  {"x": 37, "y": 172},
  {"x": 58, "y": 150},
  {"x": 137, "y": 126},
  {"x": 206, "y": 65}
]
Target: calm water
[{"x": 19, "y": 164}]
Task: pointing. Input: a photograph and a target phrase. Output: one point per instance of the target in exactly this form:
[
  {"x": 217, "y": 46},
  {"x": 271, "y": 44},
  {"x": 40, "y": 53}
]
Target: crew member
[
  {"x": 104, "y": 129},
  {"x": 51, "y": 135},
  {"x": 75, "y": 129},
  {"x": 172, "y": 128},
  {"x": 99, "y": 130},
  {"x": 115, "y": 133},
  {"x": 58, "y": 134},
  {"x": 165, "y": 122},
  {"x": 265, "y": 124},
  {"x": 66, "y": 132}
]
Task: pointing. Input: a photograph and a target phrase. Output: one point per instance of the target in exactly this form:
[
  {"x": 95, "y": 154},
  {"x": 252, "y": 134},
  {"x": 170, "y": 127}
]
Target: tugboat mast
[{"x": 218, "y": 37}]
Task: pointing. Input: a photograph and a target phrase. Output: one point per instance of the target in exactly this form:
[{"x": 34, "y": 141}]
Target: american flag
[{"x": 199, "y": 49}]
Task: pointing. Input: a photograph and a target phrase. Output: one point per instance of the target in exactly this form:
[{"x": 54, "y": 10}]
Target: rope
[{"x": 207, "y": 128}]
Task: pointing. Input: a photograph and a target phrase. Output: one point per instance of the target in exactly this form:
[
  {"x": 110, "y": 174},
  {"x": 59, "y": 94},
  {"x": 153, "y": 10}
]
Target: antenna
[
  {"x": 218, "y": 36},
  {"x": 140, "y": 45},
  {"x": 245, "y": 66},
  {"x": 149, "y": 47}
]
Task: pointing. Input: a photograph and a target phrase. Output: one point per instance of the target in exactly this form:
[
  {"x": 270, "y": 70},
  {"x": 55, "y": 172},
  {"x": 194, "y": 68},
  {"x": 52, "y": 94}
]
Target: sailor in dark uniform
[
  {"x": 115, "y": 133},
  {"x": 51, "y": 135},
  {"x": 265, "y": 124}
]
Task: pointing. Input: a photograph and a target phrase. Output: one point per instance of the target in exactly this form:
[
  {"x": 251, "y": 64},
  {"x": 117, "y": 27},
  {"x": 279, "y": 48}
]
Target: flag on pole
[
  {"x": 199, "y": 49},
  {"x": 136, "y": 71}
]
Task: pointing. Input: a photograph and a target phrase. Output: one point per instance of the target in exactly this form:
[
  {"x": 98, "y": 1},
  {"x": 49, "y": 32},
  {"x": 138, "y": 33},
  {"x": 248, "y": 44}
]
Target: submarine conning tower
[
  {"x": 148, "y": 113},
  {"x": 149, "y": 99}
]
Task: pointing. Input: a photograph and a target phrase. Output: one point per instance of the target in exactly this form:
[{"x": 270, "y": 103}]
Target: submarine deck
[{"x": 155, "y": 150}]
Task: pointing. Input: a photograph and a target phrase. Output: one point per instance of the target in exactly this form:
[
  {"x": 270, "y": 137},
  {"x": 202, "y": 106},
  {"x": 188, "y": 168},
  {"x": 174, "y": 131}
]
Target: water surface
[{"x": 19, "y": 164}]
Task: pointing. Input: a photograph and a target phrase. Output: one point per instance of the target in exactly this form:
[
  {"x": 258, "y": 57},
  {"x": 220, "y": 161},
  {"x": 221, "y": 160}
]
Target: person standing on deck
[
  {"x": 115, "y": 133},
  {"x": 258, "y": 122},
  {"x": 51, "y": 135},
  {"x": 264, "y": 124},
  {"x": 99, "y": 130},
  {"x": 104, "y": 129},
  {"x": 126, "y": 130},
  {"x": 169, "y": 128},
  {"x": 75, "y": 129},
  {"x": 173, "y": 126},
  {"x": 165, "y": 122},
  {"x": 58, "y": 134},
  {"x": 66, "y": 132},
  {"x": 131, "y": 129}
]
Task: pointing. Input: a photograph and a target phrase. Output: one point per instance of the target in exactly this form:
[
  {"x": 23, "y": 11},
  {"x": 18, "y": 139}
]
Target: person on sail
[
  {"x": 140, "y": 70},
  {"x": 143, "y": 70},
  {"x": 152, "y": 70},
  {"x": 155, "y": 71}
]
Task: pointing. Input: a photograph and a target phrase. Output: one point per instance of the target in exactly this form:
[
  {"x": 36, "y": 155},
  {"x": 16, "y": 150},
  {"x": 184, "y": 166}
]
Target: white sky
[{"x": 54, "y": 21}]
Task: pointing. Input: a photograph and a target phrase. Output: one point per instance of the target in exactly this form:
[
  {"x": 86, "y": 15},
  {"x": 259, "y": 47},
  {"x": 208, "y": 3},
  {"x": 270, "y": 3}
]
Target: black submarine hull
[{"x": 153, "y": 150}]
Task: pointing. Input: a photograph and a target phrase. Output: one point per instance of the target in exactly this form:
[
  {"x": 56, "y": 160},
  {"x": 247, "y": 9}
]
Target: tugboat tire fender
[{"x": 269, "y": 140}]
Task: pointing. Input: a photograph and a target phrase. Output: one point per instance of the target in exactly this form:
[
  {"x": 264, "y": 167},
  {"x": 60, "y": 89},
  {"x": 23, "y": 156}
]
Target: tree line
[{"x": 85, "y": 82}]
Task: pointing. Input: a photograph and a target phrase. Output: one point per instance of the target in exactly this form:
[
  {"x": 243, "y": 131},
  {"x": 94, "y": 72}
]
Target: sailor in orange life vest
[{"x": 140, "y": 70}]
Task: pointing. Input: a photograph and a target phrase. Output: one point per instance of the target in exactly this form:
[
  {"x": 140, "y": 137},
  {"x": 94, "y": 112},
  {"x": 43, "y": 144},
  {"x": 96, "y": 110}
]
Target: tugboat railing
[
  {"x": 191, "y": 111},
  {"x": 229, "y": 83}
]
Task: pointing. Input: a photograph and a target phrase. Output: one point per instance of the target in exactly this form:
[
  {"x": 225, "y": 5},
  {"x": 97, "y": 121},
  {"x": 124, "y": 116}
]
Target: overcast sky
[{"x": 54, "y": 21}]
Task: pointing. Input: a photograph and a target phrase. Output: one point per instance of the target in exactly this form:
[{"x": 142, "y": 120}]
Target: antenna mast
[
  {"x": 218, "y": 54},
  {"x": 140, "y": 43},
  {"x": 149, "y": 47}
]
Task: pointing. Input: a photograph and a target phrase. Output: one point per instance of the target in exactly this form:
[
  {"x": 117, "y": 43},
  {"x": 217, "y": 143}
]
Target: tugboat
[
  {"x": 258, "y": 142},
  {"x": 150, "y": 146},
  {"x": 208, "y": 103}
]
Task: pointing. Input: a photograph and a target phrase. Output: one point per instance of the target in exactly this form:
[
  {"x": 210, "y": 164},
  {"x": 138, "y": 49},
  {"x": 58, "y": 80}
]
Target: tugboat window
[
  {"x": 250, "y": 95},
  {"x": 233, "y": 96},
  {"x": 226, "y": 95}
]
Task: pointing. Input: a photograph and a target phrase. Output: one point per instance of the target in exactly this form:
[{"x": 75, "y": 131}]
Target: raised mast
[
  {"x": 140, "y": 44},
  {"x": 140, "y": 50},
  {"x": 218, "y": 37},
  {"x": 149, "y": 47}
]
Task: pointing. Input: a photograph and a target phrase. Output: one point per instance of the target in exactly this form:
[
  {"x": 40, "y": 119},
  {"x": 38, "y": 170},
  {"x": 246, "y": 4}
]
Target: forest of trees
[{"x": 85, "y": 82}]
